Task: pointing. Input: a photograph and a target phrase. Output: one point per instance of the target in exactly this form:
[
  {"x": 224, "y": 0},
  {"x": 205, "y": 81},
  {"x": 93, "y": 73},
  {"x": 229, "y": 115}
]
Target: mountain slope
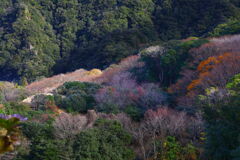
[{"x": 44, "y": 37}]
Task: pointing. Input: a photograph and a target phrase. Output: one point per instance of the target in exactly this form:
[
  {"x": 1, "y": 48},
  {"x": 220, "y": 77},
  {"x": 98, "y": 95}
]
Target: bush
[
  {"x": 234, "y": 84},
  {"x": 134, "y": 112},
  {"x": 16, "y": 108},
  {"x": 171, "y": 149},
  {"x": 76, "y": 96},
  {"x": 108, "y": 108},
  {"x": 74, "y": 103},
  {"x": 11, "y": 92}
]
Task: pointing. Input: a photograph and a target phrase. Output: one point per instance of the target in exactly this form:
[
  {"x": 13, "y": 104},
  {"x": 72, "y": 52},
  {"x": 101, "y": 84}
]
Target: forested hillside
[
  {"x": 40, "y": 38},
  {"x": 119, "y": 80},
  {"x": 176, "y": 100}
]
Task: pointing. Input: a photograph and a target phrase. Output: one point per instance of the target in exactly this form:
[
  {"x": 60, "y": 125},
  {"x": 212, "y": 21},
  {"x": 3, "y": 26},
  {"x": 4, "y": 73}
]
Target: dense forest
[
  {"x": 40, "y": 38},
  {"x": 119, "y": 80}
]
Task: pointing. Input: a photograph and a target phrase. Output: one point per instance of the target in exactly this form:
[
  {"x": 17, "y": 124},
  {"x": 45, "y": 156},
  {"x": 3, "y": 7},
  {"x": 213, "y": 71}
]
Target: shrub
[
  {"x": 74, "y": 103},
  {"x": 76, "y": 96},
  {"x": 234, "y": 84},
  {"x": 16, "y": 108},
  {"x": 171, "y": 149},
  {"x": 11, "y": 92},
  {"x": 39, "y": 101},
  {"x": 108, "y": 108},
  {"x": 77, "y": 87},
  {"x": 134, "y": 112}
]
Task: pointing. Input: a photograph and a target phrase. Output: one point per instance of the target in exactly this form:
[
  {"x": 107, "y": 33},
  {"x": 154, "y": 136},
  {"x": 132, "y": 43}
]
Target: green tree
[
  {"x": 221, "y": 112},
  {"x": 106, "y": 141},
  {"x": 78, "y": 96}
]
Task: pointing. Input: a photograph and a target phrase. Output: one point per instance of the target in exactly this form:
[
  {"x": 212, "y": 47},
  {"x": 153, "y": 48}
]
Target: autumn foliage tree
[{"x": 213, "y": 65}]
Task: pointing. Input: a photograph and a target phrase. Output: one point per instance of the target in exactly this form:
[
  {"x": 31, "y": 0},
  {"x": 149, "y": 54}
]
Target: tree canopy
[{"x": 43, "y": 37}]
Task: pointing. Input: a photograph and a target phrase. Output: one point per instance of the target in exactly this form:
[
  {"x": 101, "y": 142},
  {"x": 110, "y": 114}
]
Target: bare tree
[
  {"x": 156, "y": 126},
  {"x": 167, "y": 122},
  {"x": 137, "y": 130},
  {"x": 68, "y": 125},
  {"x": 124, "y": 91}
]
